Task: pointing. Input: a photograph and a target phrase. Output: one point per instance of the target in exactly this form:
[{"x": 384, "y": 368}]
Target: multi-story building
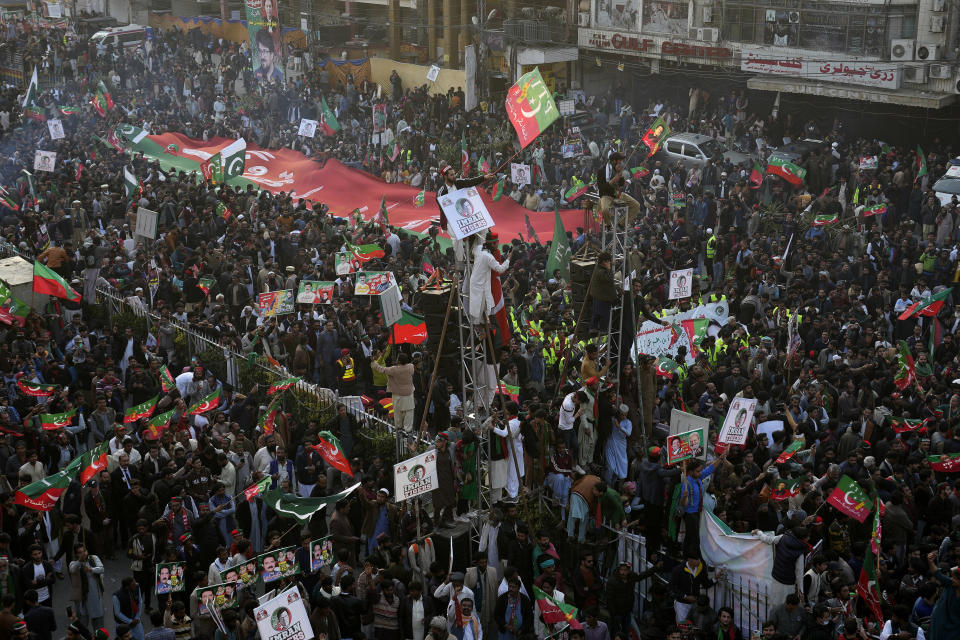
[{"x": 888, "y": 52}]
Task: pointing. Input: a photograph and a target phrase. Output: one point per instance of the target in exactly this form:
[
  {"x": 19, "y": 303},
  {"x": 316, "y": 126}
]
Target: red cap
[{"x": 446, "y": 168}]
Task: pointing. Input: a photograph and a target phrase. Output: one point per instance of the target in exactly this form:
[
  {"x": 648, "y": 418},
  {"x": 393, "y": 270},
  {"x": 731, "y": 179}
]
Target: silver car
[{"x": 694, "y": 149}]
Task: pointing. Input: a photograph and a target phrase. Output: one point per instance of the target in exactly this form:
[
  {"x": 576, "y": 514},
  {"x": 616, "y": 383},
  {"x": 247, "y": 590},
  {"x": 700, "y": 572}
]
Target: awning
[
  {"x": 903, "y": 97},
  {"x": 547, "y": 55}
]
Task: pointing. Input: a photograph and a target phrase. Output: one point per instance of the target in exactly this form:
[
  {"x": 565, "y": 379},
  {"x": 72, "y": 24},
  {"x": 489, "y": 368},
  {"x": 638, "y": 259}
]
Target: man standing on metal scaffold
[
  {"x": 610, "y": 183},
  {"x": 483, "y": 304}
]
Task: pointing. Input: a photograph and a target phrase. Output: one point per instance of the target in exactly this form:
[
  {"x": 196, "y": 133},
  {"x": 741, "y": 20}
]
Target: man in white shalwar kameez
[{"x": 514, "y": 449}]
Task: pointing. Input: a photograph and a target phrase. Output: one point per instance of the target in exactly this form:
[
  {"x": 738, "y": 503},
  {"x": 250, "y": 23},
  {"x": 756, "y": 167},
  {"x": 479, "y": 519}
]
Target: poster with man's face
[
  {"x": 263, "y": 24},
  {"x": 45, "y": 161},
  {"x": 684, "y": 446}
]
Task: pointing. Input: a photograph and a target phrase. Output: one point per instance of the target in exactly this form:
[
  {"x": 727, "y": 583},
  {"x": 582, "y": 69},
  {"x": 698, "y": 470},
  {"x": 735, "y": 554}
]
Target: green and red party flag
[
  {"x": 158, "y": 424},
  {"x": 268, "y": 421},
  {"x": 577, "y": 188},
  {"x": 365, "y": 252},
  {"x": 256, "y": 489},
  {"x": 43, "y": 495},
  {"x": 7, "y": 200},
  {"x": 850, "y": 499},
  {"x": 867, "y": 584},
  {"x": 666, "y": 367},
  {"x": 68, "y": 110},
  {"x": 54, "y": 421},
  {"x": 786, "y": 170},
  {"x": 946, "y": 463},
  {"x": 498, "y": 189},
  {"x": 420, "y": 199},
  {"x": 921, "y": 163},
  {"x": 204, "y": 285},
  {"x": 756, "y": 175},
  {"x": 639, "y": 172},
  {"x": 101, "y": 101},
  {"x": 283, "y": 385},
  {"x": 143, "y": 410},
  {"x": 209, "y": 403},
  {"x": 223, "y": 211},
  {"x": 329, "y": 449},
  {"x": 825, "y": 219},
  {"x": 554, "y": 611},
  {"x": 167, "y": 382},
  {"x": 328, "y": 119},
  {"x": 906, "y": 368},
  {"x": 13, "y": 311},
  {"x": 47, "y": 281},
  {"x": 93, "y": 462},
  {"x": 789, "y": 452},
  {"x": 904, "y": 425},
  {"x": 786, "y": 488},
  {"x": 530, "y": 107},
  {"x": 410, "y": 329},
  {"x": 35, "y": 389},
  {"x": 874, "y": 210},
  {"x": 929, "y": 306},
  {"x": 464, "y": 155}
]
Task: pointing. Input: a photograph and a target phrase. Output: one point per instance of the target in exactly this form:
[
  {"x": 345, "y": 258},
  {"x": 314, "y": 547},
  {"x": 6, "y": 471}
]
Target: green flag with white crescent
[{"x": 288, "y": 505}]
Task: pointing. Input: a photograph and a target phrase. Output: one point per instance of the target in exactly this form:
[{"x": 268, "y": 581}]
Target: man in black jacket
[
  {"x": 687, "y": 581},
  {"x": 38, "y": 577},
  {"x": 414, "y": 598},
  {"x": 348, "y": 607}
]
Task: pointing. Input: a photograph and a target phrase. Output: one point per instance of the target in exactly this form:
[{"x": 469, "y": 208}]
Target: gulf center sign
[{"x": 650, "y": 46}]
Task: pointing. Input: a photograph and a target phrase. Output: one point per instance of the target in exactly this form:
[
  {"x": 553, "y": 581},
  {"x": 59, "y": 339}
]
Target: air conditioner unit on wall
[
  {"x": 941, "y": 71},
  {"x": 794, "y": 17},
  {"x": 928, "y": 52},
  {"x": 956, "y": 84},
  {"x": 707, "y": 15},
  {"x": 901, "y": 50},
  {"x": 916, "y": 74},
  {"x": 583, "y": 18},
  {"x": 936, "y": 24},
  {"x": 708, "y": 34}
]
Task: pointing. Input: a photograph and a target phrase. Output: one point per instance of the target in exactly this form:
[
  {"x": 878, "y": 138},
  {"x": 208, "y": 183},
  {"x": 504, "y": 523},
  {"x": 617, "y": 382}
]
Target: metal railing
[{"x": 749, "y": 600}]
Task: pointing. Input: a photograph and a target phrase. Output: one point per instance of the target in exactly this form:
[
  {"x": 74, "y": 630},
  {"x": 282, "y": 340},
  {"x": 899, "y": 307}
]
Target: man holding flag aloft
[{"x": 450, "y": 184}]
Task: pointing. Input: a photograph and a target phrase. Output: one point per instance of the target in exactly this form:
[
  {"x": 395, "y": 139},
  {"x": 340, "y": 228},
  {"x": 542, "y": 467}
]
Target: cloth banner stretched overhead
[
  {"x": 748, "y": 563},
  {"x": 341, "y": 188}
]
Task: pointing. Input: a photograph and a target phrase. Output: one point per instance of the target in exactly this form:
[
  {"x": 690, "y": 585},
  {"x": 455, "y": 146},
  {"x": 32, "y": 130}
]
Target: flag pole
[{"x": 436, "y": 363}]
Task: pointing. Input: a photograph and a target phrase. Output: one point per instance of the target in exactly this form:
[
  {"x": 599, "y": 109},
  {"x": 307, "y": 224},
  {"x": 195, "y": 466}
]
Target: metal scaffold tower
[
  {"x": 478, "y": 381},
  {"x": 613, "y": 241}
]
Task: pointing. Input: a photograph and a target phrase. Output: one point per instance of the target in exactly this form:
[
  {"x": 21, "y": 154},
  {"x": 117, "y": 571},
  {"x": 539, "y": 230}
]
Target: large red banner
[{"x": 344, "y": 189}]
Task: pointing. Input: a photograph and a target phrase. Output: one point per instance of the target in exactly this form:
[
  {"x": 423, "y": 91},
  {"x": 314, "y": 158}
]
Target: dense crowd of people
[{"x": 813, "y": 335}]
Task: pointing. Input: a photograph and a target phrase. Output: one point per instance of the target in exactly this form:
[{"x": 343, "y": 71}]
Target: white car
[{"x": 948, "y": 186}]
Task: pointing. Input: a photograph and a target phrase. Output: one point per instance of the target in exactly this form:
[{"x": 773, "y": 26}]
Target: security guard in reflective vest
[{"x": 347, "y": 373}]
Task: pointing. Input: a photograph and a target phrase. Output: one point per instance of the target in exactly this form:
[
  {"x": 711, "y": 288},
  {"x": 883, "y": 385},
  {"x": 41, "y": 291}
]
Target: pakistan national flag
[
  {"x": 131, "y": 186},
  {"x": 234, "y": 158},
  {"x": 288, "y": 505},
  {"x": 559, "y": 250}
]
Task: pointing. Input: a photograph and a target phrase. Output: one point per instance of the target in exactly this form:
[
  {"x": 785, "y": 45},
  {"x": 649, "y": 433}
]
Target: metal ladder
[
  {"x": 613, "y": 241},
  {"x": 474, "y": 382}
]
